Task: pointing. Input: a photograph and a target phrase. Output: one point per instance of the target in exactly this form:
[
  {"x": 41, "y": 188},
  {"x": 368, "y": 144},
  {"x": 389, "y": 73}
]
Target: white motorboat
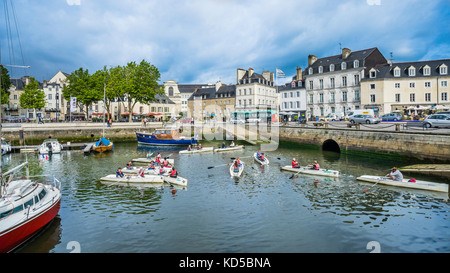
[
  {"x": 50, "y": 146},
  {"x": 405, "y": 183},
  {"x": 6, "y": 147},
  {"x": 262, "y": 162},
  {"x": 235, "y": 148},
  {"x": 238, "y": 172},
  {"x": 198, "y": 151},
  {"x": 25, "y": 208},
  {"x": 308, "y": 170}
]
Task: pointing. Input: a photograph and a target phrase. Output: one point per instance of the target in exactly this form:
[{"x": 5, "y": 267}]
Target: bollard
[{"x": 397, "y": 127}]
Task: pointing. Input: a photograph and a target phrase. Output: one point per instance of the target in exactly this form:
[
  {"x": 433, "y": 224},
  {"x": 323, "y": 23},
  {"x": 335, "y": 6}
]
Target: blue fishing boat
[{"x": 164, "y": 137}]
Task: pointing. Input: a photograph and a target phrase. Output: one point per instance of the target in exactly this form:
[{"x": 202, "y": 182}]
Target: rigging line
[{"x": 17, "y": 31}]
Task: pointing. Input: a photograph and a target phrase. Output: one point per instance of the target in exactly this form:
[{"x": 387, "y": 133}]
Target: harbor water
[{"x": 264, "y": 211}]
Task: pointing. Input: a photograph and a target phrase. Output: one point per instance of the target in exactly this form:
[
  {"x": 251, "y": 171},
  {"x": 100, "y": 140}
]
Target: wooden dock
[{"x": 441, "y": 170}]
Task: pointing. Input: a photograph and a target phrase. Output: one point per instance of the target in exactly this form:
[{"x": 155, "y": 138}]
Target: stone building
[
  {"x": 408, "y": 86},
  {"x": 333, "y": 83},
  {"x": 293, "y": 98}
]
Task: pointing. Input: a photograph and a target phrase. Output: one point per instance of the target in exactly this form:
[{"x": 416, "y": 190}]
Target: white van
[{"x": 360, "y": 112}]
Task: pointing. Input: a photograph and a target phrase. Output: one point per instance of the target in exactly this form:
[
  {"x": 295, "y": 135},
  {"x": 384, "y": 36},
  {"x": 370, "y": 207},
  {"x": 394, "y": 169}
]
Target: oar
[
  {"x": 301, "y": 169},
  {"x": 234, "y": 158},
  {"x": 212, "y": 167},
  {"x": 382, "y": 178}
]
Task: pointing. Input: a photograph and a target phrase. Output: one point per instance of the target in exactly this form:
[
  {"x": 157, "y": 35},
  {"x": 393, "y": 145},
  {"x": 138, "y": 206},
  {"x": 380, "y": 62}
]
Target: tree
[
  {"x": 5, "y": 84},
  {"x": 82, "y": 86},
  {"x": 102, "y": 82},
  {"x": 138, "y": 83},
  {"x": 32, "y": 97}
]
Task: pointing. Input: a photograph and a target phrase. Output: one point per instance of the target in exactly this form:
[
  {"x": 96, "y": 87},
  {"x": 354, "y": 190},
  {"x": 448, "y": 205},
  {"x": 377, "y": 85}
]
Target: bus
[{"x": 257, "y": 116}]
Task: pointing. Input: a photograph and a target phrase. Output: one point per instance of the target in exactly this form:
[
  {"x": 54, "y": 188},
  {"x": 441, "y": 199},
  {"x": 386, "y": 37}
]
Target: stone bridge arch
[{"x": 331, "y": 145}]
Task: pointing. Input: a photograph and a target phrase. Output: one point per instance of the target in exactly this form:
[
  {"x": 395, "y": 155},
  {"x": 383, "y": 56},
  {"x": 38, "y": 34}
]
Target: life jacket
[
  {"x": 316, "y": 166},
  {"x": 166, "y": 163},
  {"x": 141, "y": 173},
  {"x": 157, "y": 162},
  {"x": 151, "y": 167},
  {"x": 412, "y": 180},
  {"x": 161, "y": 171},
  {"x": 173, "y": 173},
  {"x": 294, "y": 163}
]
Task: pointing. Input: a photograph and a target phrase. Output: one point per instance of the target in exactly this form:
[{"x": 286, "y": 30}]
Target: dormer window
[
  {"x": 356, "y": 64},
  {"x": 310, "y": 71},
  {"x": 343, "y": 66},
  {"x": 443, "y": 69},
  {"x": 320, "y": 69},
  {"x": 427, "y": 71},
  {"x": 373, "y": 73},
  {"x": 397, "y": 72},
  {"x": 412, "y": 72}
]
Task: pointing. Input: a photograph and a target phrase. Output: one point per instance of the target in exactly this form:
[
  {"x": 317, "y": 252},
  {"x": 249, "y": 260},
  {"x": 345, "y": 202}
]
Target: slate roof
[
  {"x": 210, "y": 93},
  {"x": 337, "y": 61},
  {"x": 387, "y": 71}
]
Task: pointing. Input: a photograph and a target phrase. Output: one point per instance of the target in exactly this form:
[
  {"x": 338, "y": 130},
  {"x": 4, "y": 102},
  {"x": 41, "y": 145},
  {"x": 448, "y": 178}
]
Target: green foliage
[
  {"x": 32, "y": 97},
  {"x": 5, "y": 84}
]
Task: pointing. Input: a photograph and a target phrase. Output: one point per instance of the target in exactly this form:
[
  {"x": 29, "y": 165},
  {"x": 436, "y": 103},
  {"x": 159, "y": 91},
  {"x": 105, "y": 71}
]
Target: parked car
[
  {"x": 369, "y": 119},
  {"x": 391, "y": 116},
  {"x": 332, "y": 117},
  {"x": 237, "y": 121},
  {"x": 437, "y": 120},
  {"x": 359, "y": 112}
]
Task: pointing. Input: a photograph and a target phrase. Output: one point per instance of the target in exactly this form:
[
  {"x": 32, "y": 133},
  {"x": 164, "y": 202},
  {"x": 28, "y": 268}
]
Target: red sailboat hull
[{"x": 19, "y": 234}]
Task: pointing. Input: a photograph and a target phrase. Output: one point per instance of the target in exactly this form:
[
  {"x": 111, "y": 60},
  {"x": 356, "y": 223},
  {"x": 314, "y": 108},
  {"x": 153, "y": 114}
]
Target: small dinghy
[
  {"x": 235, "y": 148},
  {"x": 262, "y": 162},
  {"x": 308, "y": 170},
  {"x": 112, "y": 178},
  {"x": 238, "y": 172},
  {"x": 179, "y": 181},
  {"x": 197, "y": 151},
  {"x": 421, "y": 185},
  {"x": 135, "y": 170},
  {"x": 148, "y": 160}
]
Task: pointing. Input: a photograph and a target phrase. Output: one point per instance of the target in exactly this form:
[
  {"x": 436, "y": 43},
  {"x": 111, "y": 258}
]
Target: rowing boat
[
  {"x": 238, "y": 173},
  {"x": 229, "y": 149},
  {"x": 112, "y": 178},
  {"x": 421, "y": 185},
  {"x": 262, "y": 162},
  {"x": 148, "y": 160},
  {"x": 308, "y": 170},
  {"x": 196, "y": 151},
  {"x": 135, "y": 170},
  {"x": 180, "y": 181}
]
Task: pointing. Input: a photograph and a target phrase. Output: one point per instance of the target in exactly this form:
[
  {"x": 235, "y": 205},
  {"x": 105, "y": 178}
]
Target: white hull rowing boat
[
  {"x": 135, "y": 170},
  {"x": 219, "y": 150},
  {"x": 265, "y": 162},
  {"x": 132, "y": 179},
  {"x": 308, "y": 170},
  {"x": 148, "y": 160},
  {"x": 234, "y": 173},
  {"x": 195, "y": 151},
  {"x": 179, "y": 181},
  {"x": 420, "y": 185}
]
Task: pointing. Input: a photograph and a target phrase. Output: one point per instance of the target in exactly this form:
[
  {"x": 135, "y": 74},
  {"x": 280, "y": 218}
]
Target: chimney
[
  {"x": 240, "y": 74},
  {"x": 218, "y": 85},
  {"x": 299, "y": 74},
  {"x": 345, "y": 53},
  {"x": 312, "y": 59},
  {"x": 250, "y": 72}
]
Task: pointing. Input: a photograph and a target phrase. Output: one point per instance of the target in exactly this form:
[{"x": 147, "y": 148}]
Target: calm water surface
[{"x": 263, "y": 211}]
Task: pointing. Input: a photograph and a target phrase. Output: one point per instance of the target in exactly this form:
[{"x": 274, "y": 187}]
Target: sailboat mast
[{"x": 104, "y": 106}]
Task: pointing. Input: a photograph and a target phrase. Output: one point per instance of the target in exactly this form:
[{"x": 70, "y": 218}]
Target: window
[
  {"x": 49, "y": 96},
  {"x": 412, "y": 85},
  {"x": 344, "y": 96},
  {"x": 332, "y": 97},
  {"x": 397, "y": 97},
  {"x": 373, "y": 74},
  {"x": 443, "y": 83},
  {"x": 444, "y": 96},
  {"x": 356, "y": 64},
  {"x": 320, "y": 69},
  {"x": 310, "y": 71},
  {"x": 372, "y": 98},
  {"x": 412, "y": 71},
  {"x": 357, "y": 96},
  {"x": 311, "y": 85},
  {"x": 412, "y": 97},
  {"x": 443, "y": 70},
  {"x": 331, "y": 67},
  {"x": 321, "y": 97},
  {"x": 344, "y": 81},
  {"x": 427, "y": 96},
  {"x": 427, "y": 84},
  {"x": 332, "y": 83},
  {"x": 372, "y": 86},
  {"x": 170, "y": 91},
  {"x": 343, "y": 66},
  {"x": 321, "y": 84},
  {"x": 397, "y": 72},
  {"x": 356, "y": 79},
  {"x": 311, "y": 98},
  {"x": 397, "y": 85},
  {"x": 427, "y": 71}
]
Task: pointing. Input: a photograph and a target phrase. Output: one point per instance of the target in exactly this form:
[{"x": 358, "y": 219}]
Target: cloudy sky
[{"x": 204, "y": 41}]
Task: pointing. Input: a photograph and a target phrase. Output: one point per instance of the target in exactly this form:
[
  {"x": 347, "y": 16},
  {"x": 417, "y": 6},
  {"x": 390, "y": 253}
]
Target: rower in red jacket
[{"x": 295, "y": 164}]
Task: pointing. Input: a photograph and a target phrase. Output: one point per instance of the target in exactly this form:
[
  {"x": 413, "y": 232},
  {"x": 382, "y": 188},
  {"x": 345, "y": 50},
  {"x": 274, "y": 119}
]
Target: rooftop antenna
[{"x": 340, "y": 47}]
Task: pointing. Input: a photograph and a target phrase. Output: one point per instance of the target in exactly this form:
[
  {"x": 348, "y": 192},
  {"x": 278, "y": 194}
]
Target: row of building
[{"x": 338, "y": 84}]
